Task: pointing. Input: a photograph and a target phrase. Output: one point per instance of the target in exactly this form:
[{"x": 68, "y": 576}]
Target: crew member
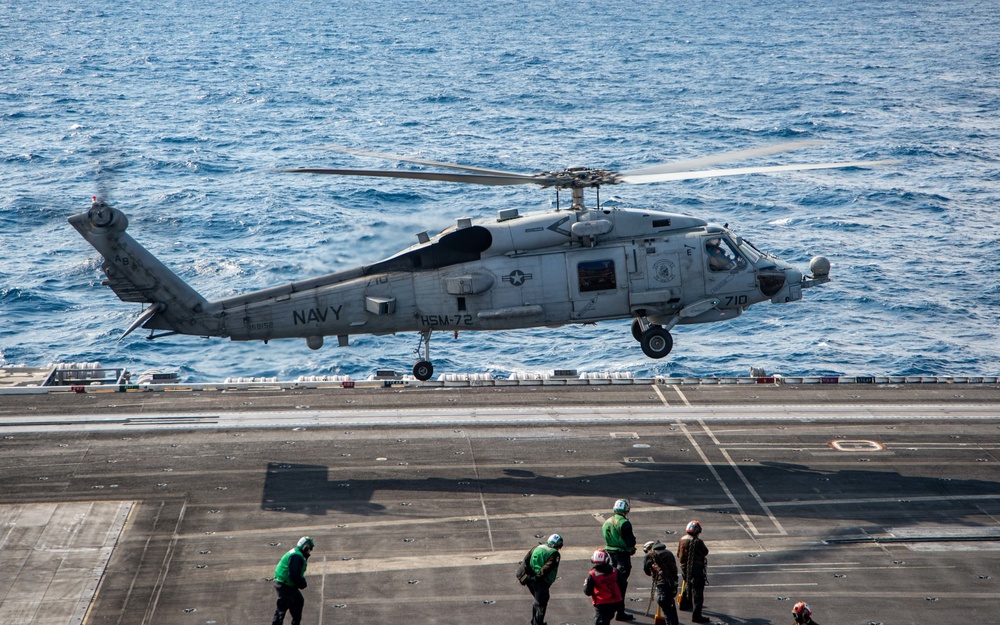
[
  {"x": 619, "y": 541},
  {"x": 289, "y": 580},
  {"x": 662, "y": 567},
  {"x": 802, "y": 615},
  {"x": 693, "y": 557},
  {"x": 602, "y": 588},
  {"x": 543, "y": 561},
  {"x": 718, "y": 260}
]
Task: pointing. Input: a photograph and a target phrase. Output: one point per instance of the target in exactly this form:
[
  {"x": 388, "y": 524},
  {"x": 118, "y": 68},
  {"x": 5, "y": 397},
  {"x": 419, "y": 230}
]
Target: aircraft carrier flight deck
[{"x": 874, "y": 503}]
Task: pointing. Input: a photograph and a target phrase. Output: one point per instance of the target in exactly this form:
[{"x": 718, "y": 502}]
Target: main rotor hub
[{"x": 579, "y": 177}]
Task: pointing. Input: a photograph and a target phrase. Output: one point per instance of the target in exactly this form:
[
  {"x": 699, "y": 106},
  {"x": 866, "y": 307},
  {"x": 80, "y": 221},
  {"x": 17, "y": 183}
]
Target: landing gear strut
[
  {"x": 423, "y": 370},
  {"x": 640, "y": 325}
]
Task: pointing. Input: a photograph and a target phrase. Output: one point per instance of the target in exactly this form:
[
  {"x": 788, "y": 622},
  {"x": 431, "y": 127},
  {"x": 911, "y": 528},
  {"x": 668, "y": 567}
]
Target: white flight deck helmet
[
  {"x": 304, "y": 542},
  {"x": 600, "y": 557},
  {"x": 621, "y": 507}
]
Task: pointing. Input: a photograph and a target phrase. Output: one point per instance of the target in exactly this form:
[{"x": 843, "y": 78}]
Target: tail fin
[{"x": 135, "y": 275}]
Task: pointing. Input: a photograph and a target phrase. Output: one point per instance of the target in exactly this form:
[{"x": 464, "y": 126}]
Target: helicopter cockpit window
[
  {"x": 720, "y": 254},
  {"x": 596, "y": 275}
]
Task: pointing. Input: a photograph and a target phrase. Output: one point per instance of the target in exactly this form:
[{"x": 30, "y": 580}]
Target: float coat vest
[
  {"x": 281, "y": 573},
  {"x": 613, "y": 540},
  {"x": 539, "y": 557},
  {"x": 606, "y": 588}
]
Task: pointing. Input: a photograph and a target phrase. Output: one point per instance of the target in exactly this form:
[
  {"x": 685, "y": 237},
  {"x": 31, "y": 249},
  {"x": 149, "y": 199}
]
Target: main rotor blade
[
  {"x": 740, "y": 171},
  {"x": 498, "y": 179},
  {"x": 718, "y": 159},
  {"x": 421, "y": 161}
]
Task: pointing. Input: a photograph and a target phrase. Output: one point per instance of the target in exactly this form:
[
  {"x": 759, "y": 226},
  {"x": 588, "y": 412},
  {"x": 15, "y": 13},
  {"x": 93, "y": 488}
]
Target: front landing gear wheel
[
  {"x": 423, "y": 370},
  {"x": 656, "y": 342}
]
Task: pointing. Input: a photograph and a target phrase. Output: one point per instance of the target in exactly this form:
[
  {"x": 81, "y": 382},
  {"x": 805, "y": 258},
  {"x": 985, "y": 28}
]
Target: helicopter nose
[
  {"x": 771, "y": 281},
  {"x": 793, "y": 275},
  {"x": 792, "y": 285},
  {"x": 781, "y": 282}
]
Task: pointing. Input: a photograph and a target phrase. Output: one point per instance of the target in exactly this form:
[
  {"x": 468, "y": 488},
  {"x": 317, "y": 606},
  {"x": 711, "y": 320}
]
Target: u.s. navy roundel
[{"x": 517, "y": 277}]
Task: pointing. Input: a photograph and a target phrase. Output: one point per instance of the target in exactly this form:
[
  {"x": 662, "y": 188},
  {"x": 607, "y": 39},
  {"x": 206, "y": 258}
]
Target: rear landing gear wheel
[
  {"x": 656, "y": 342},
  {"x": 423, "y": 370}
]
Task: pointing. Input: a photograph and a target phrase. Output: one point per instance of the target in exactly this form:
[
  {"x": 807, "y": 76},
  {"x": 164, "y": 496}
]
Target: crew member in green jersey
[
  {"x": 619, "y": 542},
  {"x": 290, "y": 579},
  {"x": 543, "y": 561}
]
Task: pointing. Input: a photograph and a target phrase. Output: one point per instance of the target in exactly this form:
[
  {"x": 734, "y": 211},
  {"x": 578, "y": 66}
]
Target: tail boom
[{"x": 135, "y": 275}]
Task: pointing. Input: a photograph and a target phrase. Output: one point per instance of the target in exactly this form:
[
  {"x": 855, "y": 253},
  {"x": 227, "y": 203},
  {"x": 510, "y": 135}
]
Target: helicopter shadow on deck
[{"x": 788, "y": 489}]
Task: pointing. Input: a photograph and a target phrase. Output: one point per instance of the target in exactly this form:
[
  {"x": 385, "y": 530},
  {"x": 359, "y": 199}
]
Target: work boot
[
  {"x": 701, "y": 619},
  {"x": 625, "y": 617}
]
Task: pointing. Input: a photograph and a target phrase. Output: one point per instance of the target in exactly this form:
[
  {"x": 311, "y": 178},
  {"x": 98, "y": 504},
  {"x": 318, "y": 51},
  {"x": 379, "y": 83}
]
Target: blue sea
[{"x": 180, "y": 112}]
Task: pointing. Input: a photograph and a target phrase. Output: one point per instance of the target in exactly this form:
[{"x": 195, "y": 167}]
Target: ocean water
[{"x": 179, "y": 113}]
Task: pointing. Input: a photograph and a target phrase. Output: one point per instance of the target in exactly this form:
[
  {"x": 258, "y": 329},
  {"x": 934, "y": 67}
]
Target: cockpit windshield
[{"x": 751, "y": 252}]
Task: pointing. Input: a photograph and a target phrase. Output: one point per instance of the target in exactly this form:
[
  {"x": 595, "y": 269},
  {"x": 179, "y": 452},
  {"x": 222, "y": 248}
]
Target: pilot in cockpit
[{"x": 718, "y": 259}]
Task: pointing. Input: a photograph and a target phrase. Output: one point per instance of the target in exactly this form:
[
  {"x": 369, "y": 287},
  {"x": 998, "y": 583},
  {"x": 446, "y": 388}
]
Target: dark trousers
[
  {"x": 540, "y": 591},
  {"x": 666, "y": 598},
  {"x": 694, "y": 595},
  {"x": 289, "y": 600},
  {"x": 604, "y": 613},
  {"x": 622, "y": 561}
]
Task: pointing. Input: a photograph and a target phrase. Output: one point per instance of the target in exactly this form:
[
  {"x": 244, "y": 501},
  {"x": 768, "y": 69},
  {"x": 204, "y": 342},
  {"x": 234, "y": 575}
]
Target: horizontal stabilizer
[{"x": 141, "y": 319}]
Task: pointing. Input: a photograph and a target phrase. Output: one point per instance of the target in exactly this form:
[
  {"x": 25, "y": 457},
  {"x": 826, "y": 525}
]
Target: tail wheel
[
  {"x": 423, "y": 370},
  {"x": 656, "y": 342}
]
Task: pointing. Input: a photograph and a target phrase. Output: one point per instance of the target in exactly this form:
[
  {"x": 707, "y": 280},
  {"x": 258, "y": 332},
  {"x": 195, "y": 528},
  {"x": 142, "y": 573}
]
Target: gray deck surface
[{"x": 874, "y": 504}]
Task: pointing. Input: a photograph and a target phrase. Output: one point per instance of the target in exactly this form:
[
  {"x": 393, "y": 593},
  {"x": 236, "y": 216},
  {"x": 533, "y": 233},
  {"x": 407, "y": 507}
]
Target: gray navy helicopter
[{"x": 571, "y": 265}]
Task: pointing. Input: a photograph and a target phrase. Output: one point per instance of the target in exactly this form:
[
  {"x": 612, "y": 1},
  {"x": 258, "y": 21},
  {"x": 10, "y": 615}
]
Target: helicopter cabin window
[
  {"x": 596, "y": 275},
  {"x": 720, "y": 254}
]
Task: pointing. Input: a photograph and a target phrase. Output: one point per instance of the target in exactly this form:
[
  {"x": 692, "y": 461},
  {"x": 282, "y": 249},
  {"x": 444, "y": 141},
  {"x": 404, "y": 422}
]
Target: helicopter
[{"x": 569, "y": 265}]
